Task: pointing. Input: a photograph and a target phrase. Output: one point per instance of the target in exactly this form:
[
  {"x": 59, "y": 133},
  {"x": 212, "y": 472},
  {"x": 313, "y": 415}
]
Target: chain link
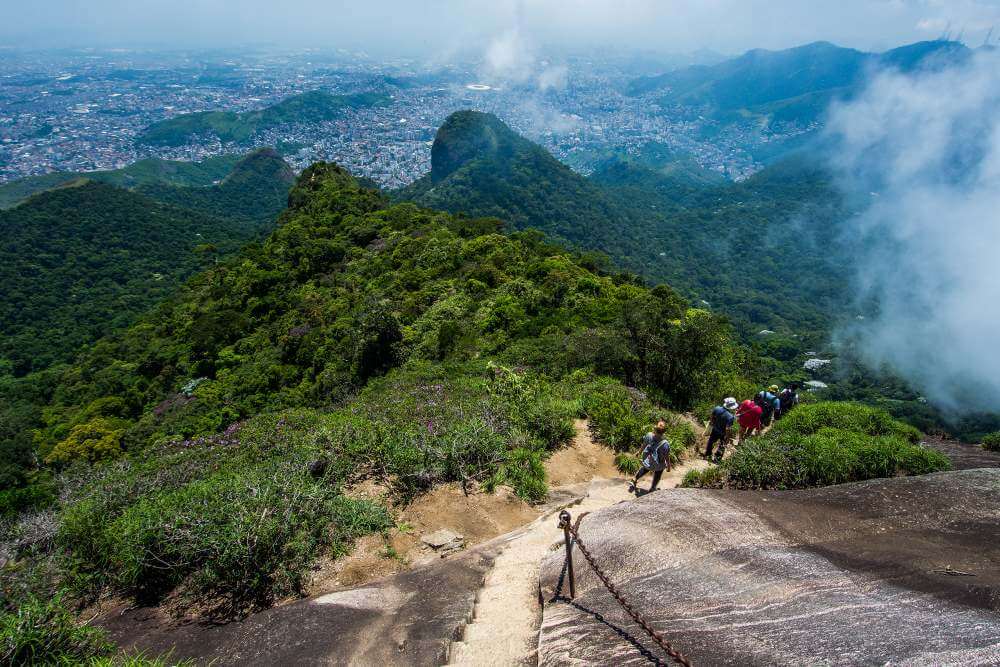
[{"x": 674, "y": 654}]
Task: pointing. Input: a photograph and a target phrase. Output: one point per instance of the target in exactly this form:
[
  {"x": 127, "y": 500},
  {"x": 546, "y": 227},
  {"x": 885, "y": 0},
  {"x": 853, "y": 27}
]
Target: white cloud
[{"x": 928, "y": 147}]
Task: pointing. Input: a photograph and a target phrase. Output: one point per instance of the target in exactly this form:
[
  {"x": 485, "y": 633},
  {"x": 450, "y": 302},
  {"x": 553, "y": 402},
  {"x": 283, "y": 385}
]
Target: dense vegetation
[
  {"x": 770, "y": 252},
  {"x": 824, "y": 443},
  {"x": 479, "y": 166},
  {"x": 144, "y": 172},
  {"x": 79, "y": 261},
  {"x": 764, "y": 252},
  {"x": 313, "y": 107},
  {"x": 221, "y": 434}
]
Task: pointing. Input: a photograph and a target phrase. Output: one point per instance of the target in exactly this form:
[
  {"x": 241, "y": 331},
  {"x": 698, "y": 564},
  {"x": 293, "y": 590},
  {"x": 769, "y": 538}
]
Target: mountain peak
[{"x": 467, "y": 136}]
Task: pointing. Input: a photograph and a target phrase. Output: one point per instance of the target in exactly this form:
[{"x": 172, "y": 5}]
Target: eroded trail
[{"x": 504, "y": 630}]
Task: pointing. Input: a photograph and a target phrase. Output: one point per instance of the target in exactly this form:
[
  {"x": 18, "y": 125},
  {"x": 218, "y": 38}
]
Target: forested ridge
[{"x": 86, "y": 258}]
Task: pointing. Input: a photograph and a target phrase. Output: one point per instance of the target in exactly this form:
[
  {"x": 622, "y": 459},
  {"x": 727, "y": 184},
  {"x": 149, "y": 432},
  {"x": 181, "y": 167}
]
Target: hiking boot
[{"x": 631, "y": 487}]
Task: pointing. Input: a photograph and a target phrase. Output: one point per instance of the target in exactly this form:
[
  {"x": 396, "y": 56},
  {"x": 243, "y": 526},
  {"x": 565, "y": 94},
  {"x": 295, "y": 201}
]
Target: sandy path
[{"x": 505, "y": 625}]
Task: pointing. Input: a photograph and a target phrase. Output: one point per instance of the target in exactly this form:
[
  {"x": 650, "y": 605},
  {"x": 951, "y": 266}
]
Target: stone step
[{"x": 477, "y": 652}]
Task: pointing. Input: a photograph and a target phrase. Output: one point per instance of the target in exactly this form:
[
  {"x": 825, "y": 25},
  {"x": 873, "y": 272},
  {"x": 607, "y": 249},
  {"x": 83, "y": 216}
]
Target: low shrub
[
  {"x": 707, "y": 478},
  {"x": 618, "y": 417},
  {"x": 33, "y": 497},
  {"x": 524, "y": 472},
  {"x": 809, "y": 418},
  {"x": 991, "y": 442},
  {"x": 830, "y": 443},
  {"x": 628, "y": 464},
  {"x": 243, "y": 535},
  {"x": 44, "y": 632}
]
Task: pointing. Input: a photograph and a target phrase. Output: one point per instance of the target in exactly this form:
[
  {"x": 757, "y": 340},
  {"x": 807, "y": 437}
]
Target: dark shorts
[{"x": 715, "y": 437}]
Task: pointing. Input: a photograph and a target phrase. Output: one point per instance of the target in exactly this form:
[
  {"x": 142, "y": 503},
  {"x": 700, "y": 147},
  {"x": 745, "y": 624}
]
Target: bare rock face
[
  {"x": 407, "y": 619},
  {"x": 896, "y": 571}
]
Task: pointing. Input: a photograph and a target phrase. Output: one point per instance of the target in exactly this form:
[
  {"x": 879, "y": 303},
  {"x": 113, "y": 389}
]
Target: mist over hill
[
  {"x": 921, "y": 152},
  {"x": 793, "y": 85}
]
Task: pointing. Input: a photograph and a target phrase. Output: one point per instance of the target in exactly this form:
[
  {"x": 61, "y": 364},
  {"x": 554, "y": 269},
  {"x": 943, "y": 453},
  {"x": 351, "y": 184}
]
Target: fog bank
[{"x": 924, "y": 151}]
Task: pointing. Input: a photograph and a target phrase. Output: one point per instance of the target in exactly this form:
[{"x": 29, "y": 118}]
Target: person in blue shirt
[
  {"x": 721, "y": 423},
  {"x": 655, "y": 456}
]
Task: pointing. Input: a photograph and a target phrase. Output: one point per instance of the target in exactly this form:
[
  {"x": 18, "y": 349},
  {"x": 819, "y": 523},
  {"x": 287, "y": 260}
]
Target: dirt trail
[{"x": 504, "y": 629}]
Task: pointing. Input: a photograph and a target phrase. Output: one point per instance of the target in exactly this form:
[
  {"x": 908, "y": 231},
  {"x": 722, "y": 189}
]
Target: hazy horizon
[{"x": 444, "y": 28}]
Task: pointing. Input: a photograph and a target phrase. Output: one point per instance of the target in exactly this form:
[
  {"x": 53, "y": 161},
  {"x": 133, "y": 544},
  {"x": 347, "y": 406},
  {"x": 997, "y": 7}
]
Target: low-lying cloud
[{"x": 925, "y": 151}]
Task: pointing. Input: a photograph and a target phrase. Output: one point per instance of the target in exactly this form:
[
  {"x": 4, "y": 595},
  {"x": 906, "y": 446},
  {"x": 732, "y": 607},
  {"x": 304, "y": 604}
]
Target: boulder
[
  {"x": 891, "y": 571},
  {"x": 443, "y": 540}
]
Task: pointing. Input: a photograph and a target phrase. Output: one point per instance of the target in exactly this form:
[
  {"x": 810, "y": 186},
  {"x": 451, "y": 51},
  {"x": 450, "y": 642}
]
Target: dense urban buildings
[{"x": 83, "y": 110}]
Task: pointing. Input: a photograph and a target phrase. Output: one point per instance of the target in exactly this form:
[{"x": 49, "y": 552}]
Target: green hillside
[
  {"x": 313, "y": 107},
  {"x": 77, "y": 262},
  {"x": 793, "y": 85},
  {"x": 764, "y": 252},
  {"x": 143, "y": 172},
  {"x": 361, "y": 340},
  {"x": 481, "y": 167}
]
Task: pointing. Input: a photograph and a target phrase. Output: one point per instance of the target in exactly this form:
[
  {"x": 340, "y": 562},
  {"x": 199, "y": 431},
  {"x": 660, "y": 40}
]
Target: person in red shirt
[{"x": 748, "y": 416}]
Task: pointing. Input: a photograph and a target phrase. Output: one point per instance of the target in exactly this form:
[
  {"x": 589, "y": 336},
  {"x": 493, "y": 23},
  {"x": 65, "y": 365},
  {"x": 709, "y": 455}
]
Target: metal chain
[{"x": 674, "y": 654}]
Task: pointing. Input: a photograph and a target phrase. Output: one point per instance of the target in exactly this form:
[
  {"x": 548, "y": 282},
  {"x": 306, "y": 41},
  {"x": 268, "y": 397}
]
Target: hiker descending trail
[{"x": 507, "y": 613}]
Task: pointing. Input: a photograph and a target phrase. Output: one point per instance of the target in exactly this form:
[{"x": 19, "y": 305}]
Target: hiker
[
  {"x": 789, "y": 398},
  {"x": 655, "y": 456},
  {"x": 749, "y": 418},
  {"x": 768, "y": 401},
  {"x": 721, "y": 423}
]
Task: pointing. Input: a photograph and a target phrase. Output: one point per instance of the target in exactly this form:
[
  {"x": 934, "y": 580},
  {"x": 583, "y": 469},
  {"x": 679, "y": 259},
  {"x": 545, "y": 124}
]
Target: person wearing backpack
[
  {"x": 768, "y": 401},
  {"x": 655, "y": 456},
  {"x": 788, "y": 398},
  {"x": 721, "y": 423}
]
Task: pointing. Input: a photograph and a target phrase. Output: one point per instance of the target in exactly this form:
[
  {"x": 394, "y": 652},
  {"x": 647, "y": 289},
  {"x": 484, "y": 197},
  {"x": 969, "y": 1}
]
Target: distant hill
[
  {"x": 86, "y": 257},
  {"x": 481, "y": 167},
  {"x": 794, "y": 85},
  {"x": 151, "y": 170},
  {"x": 256, "y": 189},
  {"x": 313, "y": 107}
]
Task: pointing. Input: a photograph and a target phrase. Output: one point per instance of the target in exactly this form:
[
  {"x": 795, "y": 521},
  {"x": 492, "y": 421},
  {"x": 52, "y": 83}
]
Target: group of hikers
[{"x": 752, "y": 415}]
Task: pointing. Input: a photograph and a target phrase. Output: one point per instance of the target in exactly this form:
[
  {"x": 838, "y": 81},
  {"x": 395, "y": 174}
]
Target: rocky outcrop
[
  {"x": 410, "y": 618},
  {"x": 898, "y": 571}
]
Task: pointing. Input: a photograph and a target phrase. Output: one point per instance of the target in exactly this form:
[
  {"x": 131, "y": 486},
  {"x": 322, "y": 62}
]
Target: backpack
[
  {"x": 788, "y": 398},
  {"x": 765, "y": 400}
]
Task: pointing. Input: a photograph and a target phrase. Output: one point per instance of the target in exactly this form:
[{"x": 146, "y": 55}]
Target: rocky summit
[{"x": 898, "y": 571}]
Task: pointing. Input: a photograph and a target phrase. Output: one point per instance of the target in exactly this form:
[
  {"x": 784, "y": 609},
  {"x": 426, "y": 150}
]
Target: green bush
[
  {"x": 617, "y": 417},
  {"x": 44, "y": 632},
  {"x": 36, "y": 496},
  {"x": 524, "y": 472},
  {"x": 243, "y": 535},
  {"x": 991, "y": 442},
  {"x": 810, "y": 418},
  {"x": 707, "y": 478},
  {"x": 627, "y": 463},
  {"x": 828, "y": 443}
]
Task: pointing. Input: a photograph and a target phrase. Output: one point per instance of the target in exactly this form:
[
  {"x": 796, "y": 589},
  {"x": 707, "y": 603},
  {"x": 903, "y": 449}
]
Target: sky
[{"x": 441, "y": 27}]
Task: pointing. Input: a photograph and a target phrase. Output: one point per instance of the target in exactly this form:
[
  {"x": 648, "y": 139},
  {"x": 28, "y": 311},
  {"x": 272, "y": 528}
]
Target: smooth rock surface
[
  {"x": 896, "y": 571},
  {"x": 407, "y": 619}
]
